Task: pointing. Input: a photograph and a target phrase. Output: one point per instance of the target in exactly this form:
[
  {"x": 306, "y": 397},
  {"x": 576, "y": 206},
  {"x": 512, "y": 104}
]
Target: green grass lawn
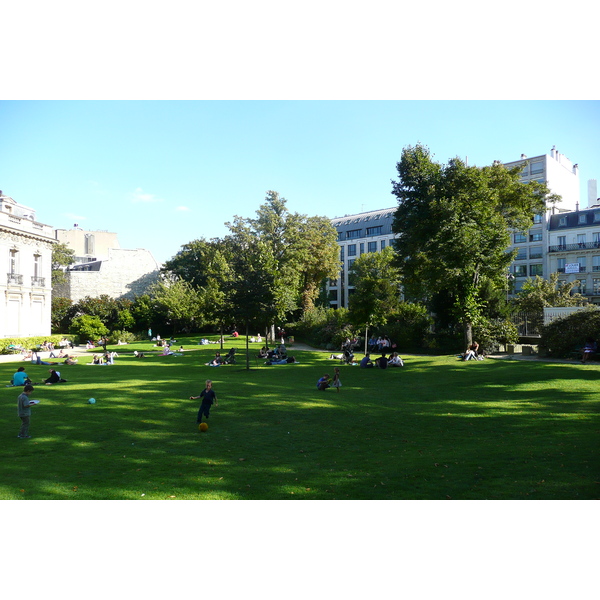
[{"x": 436, "y": 429}]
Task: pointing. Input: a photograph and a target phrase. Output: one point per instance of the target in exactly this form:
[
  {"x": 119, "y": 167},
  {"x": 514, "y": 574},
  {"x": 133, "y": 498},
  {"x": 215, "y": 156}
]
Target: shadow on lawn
[{"x": 422, "y": 433}]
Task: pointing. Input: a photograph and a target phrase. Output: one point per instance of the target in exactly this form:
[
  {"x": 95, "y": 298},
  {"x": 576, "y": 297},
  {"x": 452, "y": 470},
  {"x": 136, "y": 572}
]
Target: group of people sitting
[
  {"x": 276, "y": 356},
  {"x": 108, "y": 358},
  {"x": 473, "y": 352},
  {"x": 20, "y": 378},
  {"x": 218, "y": 360},
  {"x": 380, "y": 344},
  {"x": 382, "y": 362}
]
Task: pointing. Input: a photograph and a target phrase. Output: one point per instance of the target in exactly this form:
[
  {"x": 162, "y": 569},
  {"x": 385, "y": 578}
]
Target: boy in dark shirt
[{"x": 208, "y": 397}]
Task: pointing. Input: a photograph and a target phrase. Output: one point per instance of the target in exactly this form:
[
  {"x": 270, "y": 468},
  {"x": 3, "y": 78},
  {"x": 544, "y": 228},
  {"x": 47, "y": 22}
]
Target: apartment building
[
  {"x": 371, "y": 231},
  {"x": 365, "y": 232},
  {"x": 562, "y": 178}
]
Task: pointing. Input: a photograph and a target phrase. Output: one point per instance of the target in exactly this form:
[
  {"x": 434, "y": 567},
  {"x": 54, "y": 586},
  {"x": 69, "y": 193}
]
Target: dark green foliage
[
  {"x": 324, "y": 327},
  {"x": 61, "y": 314},
  {"x": 407, "y": 327},
  {"x": 561, "y": 337}
]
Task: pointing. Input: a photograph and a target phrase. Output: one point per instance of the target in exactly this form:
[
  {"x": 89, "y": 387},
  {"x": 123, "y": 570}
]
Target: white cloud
[
  {"x": 182, "y": 209},
  {"x": 75, "y": 218},
  {"x": 140, "y": 196}
]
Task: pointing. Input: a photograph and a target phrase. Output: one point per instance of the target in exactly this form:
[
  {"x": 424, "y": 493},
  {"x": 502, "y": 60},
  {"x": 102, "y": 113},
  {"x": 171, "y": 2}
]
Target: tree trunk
[
  {"x": 468, "y": 333},
  {"x": 247, "y": 350}
]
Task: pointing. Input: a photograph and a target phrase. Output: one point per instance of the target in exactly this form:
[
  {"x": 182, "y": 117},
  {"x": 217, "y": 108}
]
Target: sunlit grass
[{"x": 437, "y": 429}]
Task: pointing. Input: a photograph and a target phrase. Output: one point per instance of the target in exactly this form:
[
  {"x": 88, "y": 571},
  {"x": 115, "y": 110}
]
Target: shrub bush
[
  {"x": 563, "y": 336},
  {"x": 324, "y": 327}
]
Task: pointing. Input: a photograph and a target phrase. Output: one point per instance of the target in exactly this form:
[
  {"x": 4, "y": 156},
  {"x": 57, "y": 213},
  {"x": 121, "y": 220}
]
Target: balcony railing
[
  {"x": 578, "y": 246},
  {"x": 38, "y": 282},
  {"x": 14, "y": 279}
]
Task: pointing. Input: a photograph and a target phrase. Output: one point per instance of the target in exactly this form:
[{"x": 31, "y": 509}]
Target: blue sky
[{"x": 162, "y": 173}]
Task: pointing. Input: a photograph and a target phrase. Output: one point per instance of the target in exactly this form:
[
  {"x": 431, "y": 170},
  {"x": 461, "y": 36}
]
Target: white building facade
[
  {"x": 562, "y": 178},
  {"x": 26, "y": 259}
]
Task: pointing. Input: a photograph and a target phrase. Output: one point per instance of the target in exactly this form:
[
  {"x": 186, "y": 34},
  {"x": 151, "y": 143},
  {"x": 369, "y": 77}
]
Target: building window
[
  {"x": 536, "y": 167},
  {"x": 351, "y": 249},
  {"x": 560, "y": 265},
  {"x": 582, "y": 265},
  {"x": 596, "y": 263},
  {"x": 535, "y": 237},
  {"x": 342, "y": 253},
  {"x": 37, "y": 265},
  {"x": 382, "y": 244},
  {"x": 13, "y": 262},
  {"x": 562, "y": 222},
  {"x": 597, "y": 217},
  {"x": 520, "y": 270},
  {"x": 582, "y": 218},
  {"x": 535, "y": 252},
  {"x": 372, "y": 246},
  {"x": 537, "y": 219},
  {"x": 581, "y": 240},
  {"x": 536, "y": 270},
  {"x": 355, "y": 233},
  {"x": 520, "y": 238},
  {"x": 562, "y": 241},
  {"x": 580, "y": 286},
  {"x": 596, "y": 284},
  {"x": 341, "y": 236},
  {"x": 521, "y": 254},
  {"x": 374, "y": 230},
  {"x": 350, "y": 263},
  {"x": 362, "y": 247}
]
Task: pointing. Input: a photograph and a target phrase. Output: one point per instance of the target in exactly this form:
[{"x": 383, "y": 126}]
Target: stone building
[
  {"x": 26, "y": 258},
  {"x": 102, "y": 267}
]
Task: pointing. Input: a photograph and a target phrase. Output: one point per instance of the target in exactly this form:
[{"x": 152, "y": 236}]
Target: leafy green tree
[
  {"x": 104, "y": 307},
  {"x": 453, "y": 227},
  {"x": 88, "y": 327},
  {"x": 537, "y": 294},
  {"x": 251, "y": 290},
  {"x": 178, "y": 303},
  {"x": 61, "y": 314},
  {"x": 62, "y": 256},
  {"x": 376, "y": 280},
  {"x": 304, "y": 250}
]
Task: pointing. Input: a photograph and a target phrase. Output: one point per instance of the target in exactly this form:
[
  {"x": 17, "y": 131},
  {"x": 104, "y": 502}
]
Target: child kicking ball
[{"x": 208, "y": 397}]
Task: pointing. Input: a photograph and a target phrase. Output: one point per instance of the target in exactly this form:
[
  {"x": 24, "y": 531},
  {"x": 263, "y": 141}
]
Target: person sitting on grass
[
  {"x": 323, "y": 383},
  {"x": 70, "y": 360},
  {"x": 20, "y": 378},
  {"x": 395, "y": 361},
  {"x": 217, "y": 361},
  {"x": 382, "y": 361},
  {"x": 54, "y": 378},
  {"x": 366, "y": 362}
]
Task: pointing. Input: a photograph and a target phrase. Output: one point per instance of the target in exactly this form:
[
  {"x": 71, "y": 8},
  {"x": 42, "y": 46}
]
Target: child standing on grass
[
  {"x": 24, "y": 409},
  {"x": 208, "y": 397},
  {"x": 336, "y": 383}
]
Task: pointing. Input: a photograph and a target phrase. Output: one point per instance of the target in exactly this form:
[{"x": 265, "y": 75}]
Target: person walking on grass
[
  {"x": 336, "y": 383},
  {"x": 24, "y": 405},
  {"x": 208, "y": 397}
]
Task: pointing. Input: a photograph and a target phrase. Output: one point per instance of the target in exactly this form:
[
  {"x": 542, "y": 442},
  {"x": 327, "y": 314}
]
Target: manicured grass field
[{"x": 436, "y": 429}]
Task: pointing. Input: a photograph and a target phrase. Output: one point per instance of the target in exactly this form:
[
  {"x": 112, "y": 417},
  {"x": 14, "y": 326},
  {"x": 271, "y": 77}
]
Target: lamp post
[{"x": 509, "y": 279}]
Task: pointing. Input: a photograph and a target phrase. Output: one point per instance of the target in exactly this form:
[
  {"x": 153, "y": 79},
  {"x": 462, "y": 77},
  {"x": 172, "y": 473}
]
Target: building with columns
[{"x": 26, "y": 261}]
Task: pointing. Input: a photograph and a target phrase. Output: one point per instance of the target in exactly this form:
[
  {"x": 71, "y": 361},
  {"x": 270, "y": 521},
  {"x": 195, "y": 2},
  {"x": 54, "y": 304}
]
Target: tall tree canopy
[
  {"x": 453, "y": 226},
  {"x": 376, "y": 281},
  {"x": 304, "y": 249}
]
